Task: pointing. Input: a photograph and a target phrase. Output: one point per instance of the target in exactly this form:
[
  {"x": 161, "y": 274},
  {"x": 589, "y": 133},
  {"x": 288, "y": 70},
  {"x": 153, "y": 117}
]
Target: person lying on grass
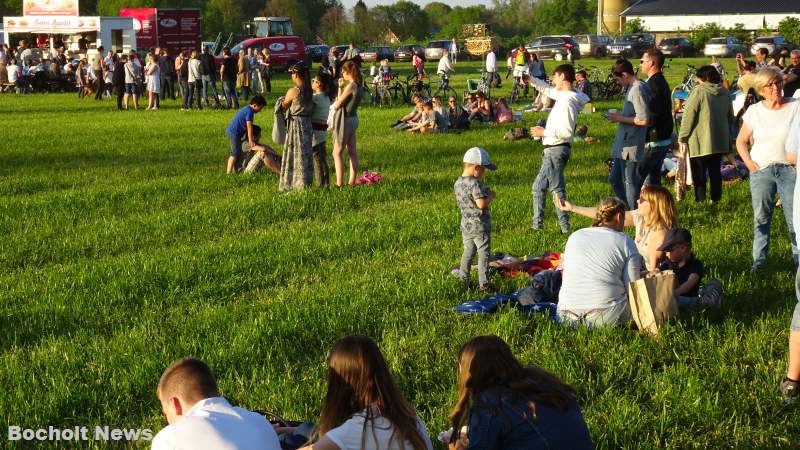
[
  {"x": 364, "y": 408},
  {"x": 654, "y": 216},
  {"x": 259, "y": 155},
  {"x": 430, "y": 122},
  {"x": 200, "y": 418},
  {"x": 505, "y": 405},
  {"x": 241, "y": 127},
  {"x": 688, "y": 271}
]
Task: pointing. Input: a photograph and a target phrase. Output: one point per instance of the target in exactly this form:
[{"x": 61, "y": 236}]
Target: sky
[{"x": 349, "y": 3}]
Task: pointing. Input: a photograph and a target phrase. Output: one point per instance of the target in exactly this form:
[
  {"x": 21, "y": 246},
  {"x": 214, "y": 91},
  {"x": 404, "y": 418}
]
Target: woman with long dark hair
[
  {"x": 297, "y": 171},
  {"x": 506, "y": 406},
  {"x": 345, "y": 120},
  {"x": 364, "y": 408}
]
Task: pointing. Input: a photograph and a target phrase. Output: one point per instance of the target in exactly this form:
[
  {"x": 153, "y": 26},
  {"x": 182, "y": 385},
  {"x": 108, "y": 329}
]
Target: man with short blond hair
[{"x": 199, "y": 417}]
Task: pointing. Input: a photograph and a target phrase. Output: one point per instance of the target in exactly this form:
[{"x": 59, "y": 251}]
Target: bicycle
[
  {"x": 382, "y": 93},
  {"x": 444, "y": 86},
  {"x": 416, "y": 86}
]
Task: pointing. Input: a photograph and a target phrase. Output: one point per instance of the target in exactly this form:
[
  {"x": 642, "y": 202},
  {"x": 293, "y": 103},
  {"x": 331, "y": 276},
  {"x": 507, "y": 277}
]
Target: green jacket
[{"x": 707, "y": 120}]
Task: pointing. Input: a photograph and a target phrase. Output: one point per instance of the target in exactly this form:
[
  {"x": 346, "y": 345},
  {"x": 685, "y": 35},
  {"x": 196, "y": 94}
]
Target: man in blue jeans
[
  {"x": 631, "y": 134},
  {"x": 241, "y": 127},
  {"x": 660, "y": 132},
  {"x": 227, "y": 74},
  {"x": 557, "y": 141}
]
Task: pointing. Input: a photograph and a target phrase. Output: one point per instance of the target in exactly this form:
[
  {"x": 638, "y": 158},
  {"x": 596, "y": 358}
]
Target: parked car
[
  {"x": 592, "y": 44},
  {"x": 677, "y": 46},
  {"x": 773, "y": 44},
  {"x": 342, "y": 49},
  {"x": 404, "y": 52},
  {"x": 724, "y": 47},
  {"x": 631, "y": 45},
  {"x": 435, "y": 49},
  {"x": 315, "y": 52},
  {"x": 378, "y": 53},
  {"x": 554, "y": 47}
]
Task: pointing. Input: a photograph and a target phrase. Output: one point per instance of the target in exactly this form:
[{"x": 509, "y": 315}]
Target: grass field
[{"x": 124, "y": 246}]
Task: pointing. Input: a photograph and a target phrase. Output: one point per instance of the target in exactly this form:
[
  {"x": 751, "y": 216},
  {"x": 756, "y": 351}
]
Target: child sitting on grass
[
  {"x": 430, "y": 122},
  {"x": 688, "y": 271},
  {"x": 473, "y": 200},
  {"x": 259, "y": 155}
]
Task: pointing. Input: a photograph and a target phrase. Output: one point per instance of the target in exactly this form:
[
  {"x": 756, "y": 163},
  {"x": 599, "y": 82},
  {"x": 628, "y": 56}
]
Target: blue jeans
[
  {"x": 618, "y": 314},
  {"x": 185, "y": 94},
  {"x": 476, "y": 243},
  {"x": 551, "y": 177},
  {"x": 650, "y": 166},
  {"x": 229, "y": 88},
  {"x": 624, "y": 180},
  {"x": 210, "y": 86},
  {"x": 764, "y": 184}
]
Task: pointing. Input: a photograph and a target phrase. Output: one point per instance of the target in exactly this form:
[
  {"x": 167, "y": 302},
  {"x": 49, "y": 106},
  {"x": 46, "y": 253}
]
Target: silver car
[
  {"x": 773, "y": 44},
  {"x": 435, "y": 49},
  {"x": 724, "y": 47},
  {"x": 592, "y": 44}
]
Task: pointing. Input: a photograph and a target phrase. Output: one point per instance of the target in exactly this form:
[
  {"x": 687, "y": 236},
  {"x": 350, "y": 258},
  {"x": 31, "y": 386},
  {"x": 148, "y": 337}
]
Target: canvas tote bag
[{"x": 652, "y": 302}]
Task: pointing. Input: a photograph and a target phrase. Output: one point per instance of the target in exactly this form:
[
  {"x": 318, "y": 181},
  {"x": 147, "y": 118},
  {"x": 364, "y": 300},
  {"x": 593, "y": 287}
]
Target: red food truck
[{"x": 176, "y": 30}]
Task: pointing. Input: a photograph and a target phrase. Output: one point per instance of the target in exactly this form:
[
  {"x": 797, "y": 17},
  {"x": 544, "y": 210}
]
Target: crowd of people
[{"x": 501, "y": 404}]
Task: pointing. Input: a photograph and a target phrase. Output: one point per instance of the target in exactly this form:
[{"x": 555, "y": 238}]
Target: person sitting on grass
[
  {"x": 599, "y": 264},
  {"x": 503, "y": 112},
  {"x": 199, "y": 417},
  {"x": 505, "y": 405},
  {"x": 482, "y": 110},
  {"x": 241, "y": 127},
  {"x": 364, "y": 408},
  {"x": 473, "y": 199},
  {"x": 430, "y": 122},
  {"x": 414, "y": 116},
  {"x": 688, "y": 272},
  {"x": 259, "y": 155},
  {"x": 457, "y": 116}
]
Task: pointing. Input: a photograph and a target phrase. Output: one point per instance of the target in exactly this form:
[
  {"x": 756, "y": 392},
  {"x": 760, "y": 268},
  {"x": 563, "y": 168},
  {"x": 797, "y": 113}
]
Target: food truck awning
[{"x": 58, "y": 24}]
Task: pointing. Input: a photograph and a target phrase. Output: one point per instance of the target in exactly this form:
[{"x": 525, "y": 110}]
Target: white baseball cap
[{"x": 478, "y": 156}]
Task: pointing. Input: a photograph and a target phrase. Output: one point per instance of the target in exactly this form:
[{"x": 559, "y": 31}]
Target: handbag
[{"x": 652, "y": 301}]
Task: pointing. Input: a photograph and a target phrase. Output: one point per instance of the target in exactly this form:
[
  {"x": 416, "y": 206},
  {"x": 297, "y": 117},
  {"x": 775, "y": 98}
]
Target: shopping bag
[{"x": 652, "y": 301}]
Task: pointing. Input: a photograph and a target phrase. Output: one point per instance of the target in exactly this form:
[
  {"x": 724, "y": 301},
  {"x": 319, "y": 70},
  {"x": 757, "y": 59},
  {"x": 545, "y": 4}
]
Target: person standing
[
  {"x": 153, "y": 82},
  {"x": 659, "y": 135},
  {"x": 97, "y": 71},
  {"x": 557, "y": 141},
  {"x": 243, "y": 75},
  {"x": 118, "y": 79},
  {"x": 491, "y": 69},
  {"x": 195, "y": 81},
  {"x": 297, "y": 166},
  {"x": 791, "y": 74},
  {"x": 253, "y": 72},
  {"x": 766, "y": 124},
  {"x": 345, "y": 121},
  {"x": 631, "y": 133},
  {"x": 419, "y": 65},
  {"x": 453, "y": 50},
  {"x": 182, "y": 69},
  {"x": 227, "y": 73},
  {"x": 324, "y": 94},
  {"x": 209, "y": 77},
  {"x": 705, "y": 131},
  {"x": 350, "y": 53},
  {"x": 132, "y": 76},
  {"x": 166, "y": 67},
  {"x": 266, "y": 70},
  {"x": 790, "y": 384}
]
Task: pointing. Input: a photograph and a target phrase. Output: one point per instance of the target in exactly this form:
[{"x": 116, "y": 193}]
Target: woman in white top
[
  {"x": 153, "y": 73},
  {"x": 766, "y": 124},
  {"x": 364, "y": 408},
  {"x": 655, "y": 214}
]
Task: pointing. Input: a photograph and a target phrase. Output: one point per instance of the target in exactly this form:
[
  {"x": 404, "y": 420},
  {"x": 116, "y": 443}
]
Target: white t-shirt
[
  {"x": 599, "y": 263},
  {"x": 491, "y": 62},
  {"x": 770, "y": 129},
  {"x": 214, "y": 423},
  {"x": 561, "y": 122},
  {"x": 793, "y": 147},
  {"x": 380, "y": 432},
  {"x": 13, "y": 73}
]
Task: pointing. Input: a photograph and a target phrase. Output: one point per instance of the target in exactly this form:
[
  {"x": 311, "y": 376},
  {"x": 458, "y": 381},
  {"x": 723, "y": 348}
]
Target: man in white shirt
[
  {"x": 195, "y": 81},
  {"x": 200, "y": 419},
  {"x": 15, "y": 75},
  {"x": 445, "y": 68},
  {"x": 491, "y": 69},
  {"x": 557, "y": 140}
]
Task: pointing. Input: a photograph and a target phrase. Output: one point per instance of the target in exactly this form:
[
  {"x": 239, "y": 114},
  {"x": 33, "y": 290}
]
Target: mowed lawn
[{"x": 125, "y": 246}]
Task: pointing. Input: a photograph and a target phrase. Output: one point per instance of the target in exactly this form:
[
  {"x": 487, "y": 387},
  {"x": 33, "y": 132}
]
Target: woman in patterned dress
[{"x": 297, "y": 167}]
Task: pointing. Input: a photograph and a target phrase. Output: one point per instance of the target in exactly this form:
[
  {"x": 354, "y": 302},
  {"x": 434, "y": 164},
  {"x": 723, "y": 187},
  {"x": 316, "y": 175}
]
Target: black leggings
[{"x": 707, "y": 167}]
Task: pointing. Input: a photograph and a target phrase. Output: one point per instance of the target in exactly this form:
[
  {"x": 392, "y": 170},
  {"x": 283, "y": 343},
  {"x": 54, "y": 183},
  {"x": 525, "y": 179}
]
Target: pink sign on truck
[
  {"x": 144, "y": 24},
  {"x": 174, "y": 29}
]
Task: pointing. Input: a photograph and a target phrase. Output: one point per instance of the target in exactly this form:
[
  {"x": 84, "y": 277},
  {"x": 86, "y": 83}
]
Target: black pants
[
  {"x": 120, "y": 91},
  {"x": 266, "y": 75},
  {"x": 196, "y": 93},
  {"x": 320, "y": 164},
  {"x": 707, "y": 167},
  {"x": 167, "y": 87},
  {"x": 99, "y": 85}
]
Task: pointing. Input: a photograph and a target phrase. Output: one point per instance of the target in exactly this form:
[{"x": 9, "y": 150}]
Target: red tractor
[{"x": 274, "y": 33}]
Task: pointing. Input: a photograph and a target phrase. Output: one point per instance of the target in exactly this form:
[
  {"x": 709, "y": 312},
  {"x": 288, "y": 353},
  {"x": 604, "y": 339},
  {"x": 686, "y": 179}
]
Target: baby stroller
[{"x": 478, "y": 85}]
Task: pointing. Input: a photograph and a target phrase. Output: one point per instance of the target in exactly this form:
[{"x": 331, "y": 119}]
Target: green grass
[{"x": 124, "y": 247}]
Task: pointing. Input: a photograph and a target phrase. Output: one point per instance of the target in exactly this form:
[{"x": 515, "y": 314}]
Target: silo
[{"x": 612, "y": 22}]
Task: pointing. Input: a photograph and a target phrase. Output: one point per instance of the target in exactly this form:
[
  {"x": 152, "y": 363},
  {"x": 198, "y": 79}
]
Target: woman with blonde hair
[
  {"x": 599, "y": 263},
  {"x": 345, "y": 121},
  {"x": 364, "y": 408},
  {"x": 766, "y": 124},
  {"x": 506, "y": 406},
  {"x": 654, "y": 216}
]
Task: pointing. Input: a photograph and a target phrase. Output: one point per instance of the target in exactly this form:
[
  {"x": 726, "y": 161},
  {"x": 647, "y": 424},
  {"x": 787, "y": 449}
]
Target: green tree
[
  {"x": 789, "y": 28},
  {"x": 332, "y": 23},
  {"x": 703, "y": 33},
  {"x": 461, "y": 16},
  {"x": 634, "y": 26},
  {"x": 563, "y": 16},
  {"x": 294, "y": 9},
  {"x": 739, "y": 32},
  {"x": 438, "y": 13},
  {"x": 222, "y": 16}
]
